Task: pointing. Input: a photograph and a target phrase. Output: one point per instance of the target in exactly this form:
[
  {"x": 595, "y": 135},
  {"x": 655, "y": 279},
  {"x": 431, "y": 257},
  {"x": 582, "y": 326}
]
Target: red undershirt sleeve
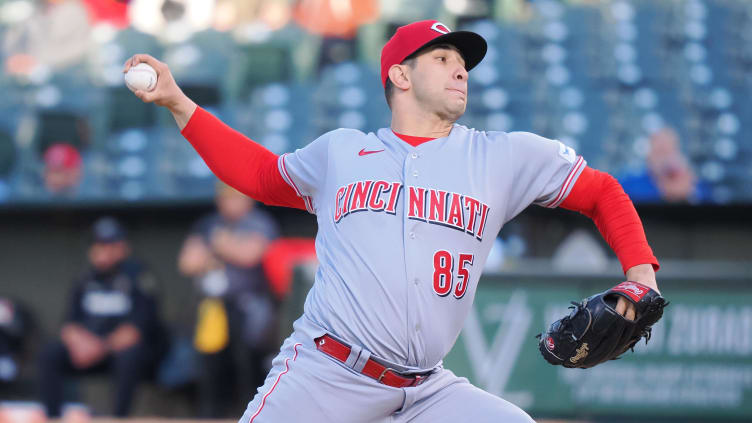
[
  {"x": 599, "y": 196},
  {"x": 239, "y": 161}
]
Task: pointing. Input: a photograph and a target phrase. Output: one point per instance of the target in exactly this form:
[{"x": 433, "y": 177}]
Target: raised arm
[{"x": 235, "y": 159}]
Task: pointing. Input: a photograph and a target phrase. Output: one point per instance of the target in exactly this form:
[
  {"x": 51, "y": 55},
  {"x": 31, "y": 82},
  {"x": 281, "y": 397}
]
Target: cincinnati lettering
[{"x": 450, "y": 209}]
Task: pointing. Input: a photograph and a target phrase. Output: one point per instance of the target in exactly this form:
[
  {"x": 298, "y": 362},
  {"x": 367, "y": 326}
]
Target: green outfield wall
[{"x": 697, "y": 365}]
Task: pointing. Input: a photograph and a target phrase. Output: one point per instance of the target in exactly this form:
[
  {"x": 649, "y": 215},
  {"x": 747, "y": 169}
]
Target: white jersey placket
[{"x": 412, "y": 236}]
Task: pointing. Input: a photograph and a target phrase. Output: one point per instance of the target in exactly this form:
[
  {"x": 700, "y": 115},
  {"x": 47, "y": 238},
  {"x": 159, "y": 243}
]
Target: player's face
[
  {"x": 439, "y": 82},
  {"x": 233, "y": 205},
  {"x": 104, "y": 256}
]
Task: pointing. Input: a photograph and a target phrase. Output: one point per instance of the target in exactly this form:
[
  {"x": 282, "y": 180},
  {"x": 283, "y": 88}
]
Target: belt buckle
[{"x": 383, "y": 373}]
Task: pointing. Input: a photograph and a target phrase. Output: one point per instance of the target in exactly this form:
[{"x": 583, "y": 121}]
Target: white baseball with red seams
[{"x": 141, "y": 77}]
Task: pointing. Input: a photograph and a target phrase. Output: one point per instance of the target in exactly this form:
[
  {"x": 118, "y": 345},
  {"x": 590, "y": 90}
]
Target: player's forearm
[
  {"x": 182, "y": 110},
  {"x": 600, "y": 197}
]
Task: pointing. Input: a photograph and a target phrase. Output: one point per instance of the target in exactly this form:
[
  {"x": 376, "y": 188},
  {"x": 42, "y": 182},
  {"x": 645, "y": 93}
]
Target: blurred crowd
[
  {"x": 241, "y": 272},
  {"x": 603, "y": 76}
]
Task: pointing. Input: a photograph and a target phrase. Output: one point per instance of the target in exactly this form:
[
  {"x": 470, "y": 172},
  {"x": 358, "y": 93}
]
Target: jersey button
[
  {"x": 414, "y": 155},
  {"x": 415, "y": 173},
  {"x": 412, "y": 235},
  {"x": 416, "y": 281}
]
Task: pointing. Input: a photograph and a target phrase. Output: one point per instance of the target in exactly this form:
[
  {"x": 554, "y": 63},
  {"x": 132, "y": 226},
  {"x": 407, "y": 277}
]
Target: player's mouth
[{"x": 457, "y": 90}]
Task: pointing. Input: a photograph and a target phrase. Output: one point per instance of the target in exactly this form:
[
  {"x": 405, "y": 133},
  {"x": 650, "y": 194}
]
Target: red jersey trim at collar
[{"x": 414, "y": 141}]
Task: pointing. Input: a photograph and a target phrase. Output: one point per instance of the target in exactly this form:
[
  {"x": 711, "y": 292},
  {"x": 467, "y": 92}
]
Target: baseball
[{"x": 141, "y": 77}]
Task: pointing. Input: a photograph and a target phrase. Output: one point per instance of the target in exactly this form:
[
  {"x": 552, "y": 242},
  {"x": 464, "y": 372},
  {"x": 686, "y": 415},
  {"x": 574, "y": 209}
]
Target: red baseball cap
[
  {"x": 62, "y": 156},
  {"x": 418, "y": 35}
]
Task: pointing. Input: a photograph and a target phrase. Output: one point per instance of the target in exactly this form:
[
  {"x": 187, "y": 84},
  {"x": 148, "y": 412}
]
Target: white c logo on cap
[{"x": 440, "y": 28}]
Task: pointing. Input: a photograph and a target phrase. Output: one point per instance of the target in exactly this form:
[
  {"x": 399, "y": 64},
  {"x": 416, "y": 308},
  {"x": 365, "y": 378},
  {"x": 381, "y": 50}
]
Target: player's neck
[{"x": 418, "y": 123}]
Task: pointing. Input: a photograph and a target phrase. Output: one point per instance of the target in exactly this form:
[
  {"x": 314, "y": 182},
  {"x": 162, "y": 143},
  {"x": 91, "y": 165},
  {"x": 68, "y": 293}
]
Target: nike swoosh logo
[{"x": 363, "y": 152}]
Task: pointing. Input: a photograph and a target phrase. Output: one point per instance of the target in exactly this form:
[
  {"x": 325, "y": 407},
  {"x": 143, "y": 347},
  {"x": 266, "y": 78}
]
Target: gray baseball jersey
[{"x": 403, "y": 231}]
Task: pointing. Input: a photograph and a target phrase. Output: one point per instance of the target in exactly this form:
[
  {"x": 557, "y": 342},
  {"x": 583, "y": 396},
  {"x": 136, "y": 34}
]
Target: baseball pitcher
[{"x": 406, "y": 218}]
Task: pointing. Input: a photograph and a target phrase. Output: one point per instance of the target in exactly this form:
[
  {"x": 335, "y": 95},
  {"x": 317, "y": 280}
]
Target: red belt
[{"x": 385, "y": 375}]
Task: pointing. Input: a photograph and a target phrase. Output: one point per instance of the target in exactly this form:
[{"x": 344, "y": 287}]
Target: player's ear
[{"x": 398, "y": 75}]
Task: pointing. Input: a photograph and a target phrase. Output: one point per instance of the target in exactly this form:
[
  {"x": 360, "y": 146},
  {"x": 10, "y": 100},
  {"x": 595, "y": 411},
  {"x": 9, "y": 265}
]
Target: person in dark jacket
[{"x": 111, "y": 326}]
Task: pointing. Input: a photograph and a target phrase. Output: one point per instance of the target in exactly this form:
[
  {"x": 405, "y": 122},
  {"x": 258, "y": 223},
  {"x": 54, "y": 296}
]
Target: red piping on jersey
[
  {"x": 414, "y": 141},
  {"x": 288, "y": 179},
  {"x": 279, "y": 376},
  {"x": 239, "y": 161},
  {"x": 599, "y": 196},
  {"x": 568, "y": 181}
]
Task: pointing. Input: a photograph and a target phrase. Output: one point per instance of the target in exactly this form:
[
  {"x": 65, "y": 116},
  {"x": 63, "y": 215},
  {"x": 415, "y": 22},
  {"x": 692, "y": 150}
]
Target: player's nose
[{"x": 460, "y": 73}]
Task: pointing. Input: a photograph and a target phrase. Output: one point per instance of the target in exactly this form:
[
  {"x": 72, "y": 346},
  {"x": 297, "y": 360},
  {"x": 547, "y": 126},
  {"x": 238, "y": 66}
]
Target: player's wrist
[
  {"x": 180, "y": 103},
  {"x": 644, "y": 274},
  {"x": 182, "y": 108}
]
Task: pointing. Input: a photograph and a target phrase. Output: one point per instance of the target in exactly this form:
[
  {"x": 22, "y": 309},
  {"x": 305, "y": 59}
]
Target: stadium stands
[{"x": 600, "y": 78}]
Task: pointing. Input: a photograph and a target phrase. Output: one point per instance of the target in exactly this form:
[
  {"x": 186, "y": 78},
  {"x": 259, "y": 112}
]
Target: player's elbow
[{"x": 610, "y": 190}]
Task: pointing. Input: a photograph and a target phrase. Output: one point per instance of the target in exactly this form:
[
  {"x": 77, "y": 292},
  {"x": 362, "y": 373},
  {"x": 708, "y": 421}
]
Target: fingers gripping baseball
[{"x": 166, "y": 93}]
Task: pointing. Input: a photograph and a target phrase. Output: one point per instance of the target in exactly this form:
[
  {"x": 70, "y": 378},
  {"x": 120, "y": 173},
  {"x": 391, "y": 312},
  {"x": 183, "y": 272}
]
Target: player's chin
[
  {"x": 451, "y": 115},
  {"x": 456, "y": 109}
]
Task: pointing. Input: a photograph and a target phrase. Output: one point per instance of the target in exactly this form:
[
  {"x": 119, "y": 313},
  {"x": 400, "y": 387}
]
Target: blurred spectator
[
  {"x": 173, "y": 10},
  {"x": 272, "y": 14},
  {"x": 111, "y": 326},
  {"x": 238, "y": 315},
  {"x": 337, "y": 22},
  {"x": 56, "y": 36},
  {"x": 335, "y": 18},
  {"x": 15, "y": 329},
  {"x": 62, "y": 169},
  {"x": 175, "y": 21},
  {"x": 667, "y": 176},
  {"x": 113, "y": 12}
]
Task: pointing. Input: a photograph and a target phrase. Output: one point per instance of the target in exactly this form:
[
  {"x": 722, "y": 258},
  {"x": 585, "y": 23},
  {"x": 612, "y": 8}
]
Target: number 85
[{"x": 443, "y": 269}]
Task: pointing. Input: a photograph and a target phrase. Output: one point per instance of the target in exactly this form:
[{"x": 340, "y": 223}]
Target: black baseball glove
[{"x": 594, "y": 332}]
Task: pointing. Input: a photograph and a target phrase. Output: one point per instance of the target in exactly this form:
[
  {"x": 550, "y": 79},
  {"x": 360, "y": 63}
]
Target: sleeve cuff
[
  {"x": 194, "y": 122},
  {"x": 569, "y": 181}
]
